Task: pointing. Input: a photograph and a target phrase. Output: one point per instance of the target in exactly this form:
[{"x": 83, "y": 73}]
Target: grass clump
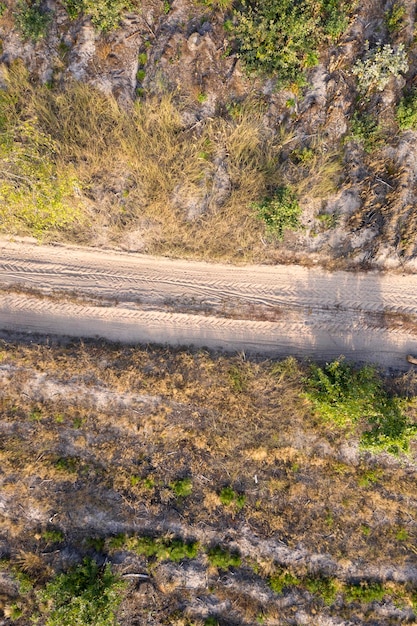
[
  {"x": 283, "y": 38},
  {"x": 282, "y": 580},
  {"x": 223, "y": 558},
  {"x": 407, "y": 111},
  {"x": 84, "y": 595},
  {"x": 280, "y": 212},
  {"x": 32, "y": 19},
  {"x": 355, "y": 398}
]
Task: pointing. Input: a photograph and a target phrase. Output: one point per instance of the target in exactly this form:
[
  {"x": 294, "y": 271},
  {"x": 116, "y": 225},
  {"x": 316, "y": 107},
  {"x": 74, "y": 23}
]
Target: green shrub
[
  {"x": 364, "y": 592},
  {"x": 31, "y": 19},
  {"x": 85, "y": 595},
  {"x": 407, "y": 111},
  {"x": 182, "y": 488},
  {"x": 228, "y": 496},
  {"x": 377, "y": 68},
  {"x": 283, "y": 37},
  {"x": 163, "y": 549},
  {"x": 223, "y": 558},
  {"x": 283, "y": 580},
  {"x": 105, "y": 14},
  {"x": 394, "y": 19},
  {"x": 365, "y": 130},
  {"x": 351, "y": 397},
  {"x": 280, "y": 212},
  {"x": 324, "y": 587}
]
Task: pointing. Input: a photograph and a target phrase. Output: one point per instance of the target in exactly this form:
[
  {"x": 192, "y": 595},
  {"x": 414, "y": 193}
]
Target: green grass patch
[
  {"x": 104, "y": 14},
  {"x": 229, "y": 496},
  {"x": 355, "y": 399},
  {"x": 283, "y": 580},
  {"x": 182, "y": 487},
  {"x": 32, "y": 19},
  {"x": 364, "y": 592}
]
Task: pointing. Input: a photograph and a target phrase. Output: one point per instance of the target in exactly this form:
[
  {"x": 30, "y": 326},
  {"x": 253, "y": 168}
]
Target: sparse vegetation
[{"x": 290, "y": 492}]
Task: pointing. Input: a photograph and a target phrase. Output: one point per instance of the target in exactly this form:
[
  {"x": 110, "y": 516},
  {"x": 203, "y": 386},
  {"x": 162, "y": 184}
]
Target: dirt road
[{"x": 269, "y": 310}]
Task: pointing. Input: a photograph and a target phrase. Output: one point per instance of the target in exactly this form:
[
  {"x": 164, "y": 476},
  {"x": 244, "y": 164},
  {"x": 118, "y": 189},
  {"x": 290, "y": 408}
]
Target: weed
[
  {"x": 283, "y": 580},
  {"x": 228, "y": 496},
  {"x": 163, "y": 549},
  {"x": 32, "y": 20},
  {"x": 117, "y": 542},
  {"x": 52, "y": 536},
  {"x": 182, "y": 488},
  {"x": 84, "y": 595},
  {"x": 394, "y": 18},
  {"x": 364, "y": 592},
  {"x": 364, "y": 129},
  {"x": 3, "y": 8},
  {"x": 407, "y": 111},
  {"x": 401, "y": 534},
  {"x": 280, "y": 212},
  {"x": 140, "y": 75},
  {"x": 377, "y": 68},
  {"x": 105, "y": 14},
  {"x": 348, "y": 396},
  {"x": 223, "y": 558},
  {"x": 326, "y": 588},
  {"x": 142, "y": 59}
]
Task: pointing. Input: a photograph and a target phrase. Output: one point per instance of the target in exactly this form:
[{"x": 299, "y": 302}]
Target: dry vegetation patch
[{"x": 225, "y": 497}]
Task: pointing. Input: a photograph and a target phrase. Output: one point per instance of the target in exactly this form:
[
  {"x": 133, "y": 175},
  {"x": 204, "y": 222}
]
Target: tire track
[{"x": 181, "y": 302}]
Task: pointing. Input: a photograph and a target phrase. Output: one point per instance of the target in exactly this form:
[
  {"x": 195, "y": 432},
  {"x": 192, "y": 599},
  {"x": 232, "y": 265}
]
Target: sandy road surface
[{"x": 260, "y": 309}]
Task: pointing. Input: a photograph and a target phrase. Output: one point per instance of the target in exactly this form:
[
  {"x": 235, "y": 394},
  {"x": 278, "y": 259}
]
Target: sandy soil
[{"x": 270, "y": 310}]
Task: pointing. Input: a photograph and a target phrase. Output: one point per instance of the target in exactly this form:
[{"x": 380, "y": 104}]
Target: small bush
[
  {"x": 394, "y": 18},
  {"x": 105, "y": 14},
  {"x": 375, "y": 71},
  {"x": 407, "y": 111},
  {"x": 32, "y": 20},
  {"x": 283, "y": 37},
  {"x": 364, "y": 592},
  {"x": 351, "y": 397},
  {"x": 164, "y": 549},
  {"x": 364, "y": 129},
  {"x": 223, "y": 558},
  {"x": 182, "y": 488},
  {"x": 280, "y": 212},
  {"x": 283, "y": 580},
  {"x": 228, "y": 496},
  {"x": 85, "y": 595}
]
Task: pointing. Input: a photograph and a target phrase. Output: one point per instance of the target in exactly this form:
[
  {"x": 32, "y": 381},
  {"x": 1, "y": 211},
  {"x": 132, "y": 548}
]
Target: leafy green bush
[
  {"x": 280, "y": 212},
  {"x": 351, "y": 397},
  {"x": 407, "y": 111},
  {"x": 105, "y": 14},
  {"x": 31, "y": 19},
  {"x": 379, "y": 65},
  {"x": 223, "y": 558},
  {"x": 282, "y": 37},
  {"x": 85, "y": 595}
]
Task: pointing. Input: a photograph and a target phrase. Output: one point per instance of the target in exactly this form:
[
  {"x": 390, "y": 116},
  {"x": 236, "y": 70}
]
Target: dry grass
[
  {"x": 181, "y": 190},
  {"x": 218, "y": 422}
]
